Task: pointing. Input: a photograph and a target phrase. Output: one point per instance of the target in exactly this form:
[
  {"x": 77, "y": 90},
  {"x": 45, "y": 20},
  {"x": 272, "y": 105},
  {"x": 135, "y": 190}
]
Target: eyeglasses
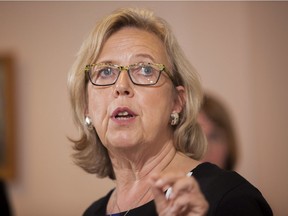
[{"x": 143, "y": 74}]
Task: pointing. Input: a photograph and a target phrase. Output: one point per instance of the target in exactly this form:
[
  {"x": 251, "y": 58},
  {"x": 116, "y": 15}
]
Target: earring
[
  {"x": 174, "y": 117},
  {"x": 88, "y": 122}
]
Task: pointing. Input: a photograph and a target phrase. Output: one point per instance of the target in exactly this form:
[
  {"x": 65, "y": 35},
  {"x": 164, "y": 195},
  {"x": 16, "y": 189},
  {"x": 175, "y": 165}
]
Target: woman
[
  {"x": 135, "y": 99},
  {"x": 218, "y": 127}
]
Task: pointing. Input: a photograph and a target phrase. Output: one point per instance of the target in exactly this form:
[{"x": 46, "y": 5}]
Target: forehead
[{"x": 131, "y": 44}]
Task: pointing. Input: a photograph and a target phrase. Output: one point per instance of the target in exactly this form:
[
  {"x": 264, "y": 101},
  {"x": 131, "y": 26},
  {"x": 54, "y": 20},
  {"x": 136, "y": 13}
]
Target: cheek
[
  {"x": 156, "y": 106},
  {"x": 97, "y": 108}
]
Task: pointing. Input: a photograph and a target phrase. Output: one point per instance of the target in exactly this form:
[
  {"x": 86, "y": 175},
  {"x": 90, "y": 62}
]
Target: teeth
[{"x": 125, "y": 113}]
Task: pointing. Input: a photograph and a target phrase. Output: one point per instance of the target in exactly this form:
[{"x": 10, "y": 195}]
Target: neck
[
  {"x": 130, "y": 170},
  {"x": 132, "y": 186}
]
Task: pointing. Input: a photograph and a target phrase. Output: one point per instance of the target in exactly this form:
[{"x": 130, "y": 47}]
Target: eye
[
  {"x": 105, "y": 72},
  {"x": 147, "y": 70}
]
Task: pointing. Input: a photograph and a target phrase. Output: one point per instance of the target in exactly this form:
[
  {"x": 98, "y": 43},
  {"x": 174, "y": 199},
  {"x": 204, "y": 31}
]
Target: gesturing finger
[
  {"x": 185, "y": 196},
  {"x": 183, "y": 185},
  {"x": 158, "y": 189}
]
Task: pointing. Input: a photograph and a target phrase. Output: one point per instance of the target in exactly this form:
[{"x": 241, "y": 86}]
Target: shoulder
[
  {"x": 98, "y": 207},
  {"x": 229, "y": 193},
  {"x": 209, "y": 175}
]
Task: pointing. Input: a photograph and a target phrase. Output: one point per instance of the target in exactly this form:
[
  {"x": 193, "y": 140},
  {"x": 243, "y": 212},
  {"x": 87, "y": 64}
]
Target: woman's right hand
[{"x": 186, "y": 198}]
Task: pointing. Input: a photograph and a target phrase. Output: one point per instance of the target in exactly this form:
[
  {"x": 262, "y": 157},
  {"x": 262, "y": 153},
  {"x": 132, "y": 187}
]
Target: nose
[{"x": 123, "y": 86}]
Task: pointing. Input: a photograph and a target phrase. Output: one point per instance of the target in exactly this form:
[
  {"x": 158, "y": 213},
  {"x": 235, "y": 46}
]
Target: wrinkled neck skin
[
  {"x": 133, "y": 170},
  {"x": 133, "y": 166}
]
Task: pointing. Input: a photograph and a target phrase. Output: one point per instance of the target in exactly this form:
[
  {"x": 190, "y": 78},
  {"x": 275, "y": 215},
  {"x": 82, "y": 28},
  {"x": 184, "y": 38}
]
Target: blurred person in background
[{"x": 218, "y": 127}]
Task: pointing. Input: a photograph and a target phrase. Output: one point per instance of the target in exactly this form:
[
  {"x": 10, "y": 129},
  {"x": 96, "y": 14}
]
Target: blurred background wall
[{"x": 240, "y": 50}]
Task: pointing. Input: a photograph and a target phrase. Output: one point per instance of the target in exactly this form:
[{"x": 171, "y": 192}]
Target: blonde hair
[{"x": 90, "y": 153}]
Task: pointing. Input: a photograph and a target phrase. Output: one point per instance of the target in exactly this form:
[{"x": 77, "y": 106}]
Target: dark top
[
  {"x": 227, "y": 192},
  {"x": 4, "y": 203}
]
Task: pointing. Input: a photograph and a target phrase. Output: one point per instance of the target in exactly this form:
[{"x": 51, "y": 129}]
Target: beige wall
[{"x": 239, "y": 48}]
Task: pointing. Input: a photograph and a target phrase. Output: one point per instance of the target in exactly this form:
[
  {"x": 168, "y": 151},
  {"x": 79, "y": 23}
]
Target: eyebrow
[
  {"x": 145, "y": 56},
  {"x": 142, "y": 55}
]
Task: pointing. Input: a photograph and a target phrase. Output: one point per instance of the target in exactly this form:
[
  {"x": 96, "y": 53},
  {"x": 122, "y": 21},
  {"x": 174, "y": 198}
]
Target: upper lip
[{"x": 122, "y": 110}]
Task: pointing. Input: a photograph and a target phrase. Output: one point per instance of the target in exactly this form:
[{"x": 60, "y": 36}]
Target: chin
[{"x": 122, "y": 143}]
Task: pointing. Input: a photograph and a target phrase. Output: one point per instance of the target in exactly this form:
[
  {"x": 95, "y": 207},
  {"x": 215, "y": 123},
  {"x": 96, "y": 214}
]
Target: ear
[{"x": 180, "y": 99}]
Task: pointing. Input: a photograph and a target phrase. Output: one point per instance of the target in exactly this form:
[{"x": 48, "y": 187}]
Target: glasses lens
[
  {"x": 103, "y": 74},
  {"x": 141, "y": 74},
  {"x": 144, "y": 74}
]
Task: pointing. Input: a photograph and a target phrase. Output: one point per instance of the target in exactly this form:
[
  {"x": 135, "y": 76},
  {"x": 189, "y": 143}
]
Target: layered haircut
[{"x": 189, "y": 139}]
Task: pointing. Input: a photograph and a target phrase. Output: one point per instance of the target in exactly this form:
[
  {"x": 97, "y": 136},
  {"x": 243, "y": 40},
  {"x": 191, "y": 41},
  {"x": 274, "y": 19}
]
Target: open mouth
[{"x": 124, "y": 115}]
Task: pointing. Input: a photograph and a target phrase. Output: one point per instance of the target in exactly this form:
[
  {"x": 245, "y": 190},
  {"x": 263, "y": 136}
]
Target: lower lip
[{"x": 123, "y": 121}]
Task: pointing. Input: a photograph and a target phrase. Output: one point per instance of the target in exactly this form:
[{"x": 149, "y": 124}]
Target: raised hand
[{"x": 185, "y": 199}]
